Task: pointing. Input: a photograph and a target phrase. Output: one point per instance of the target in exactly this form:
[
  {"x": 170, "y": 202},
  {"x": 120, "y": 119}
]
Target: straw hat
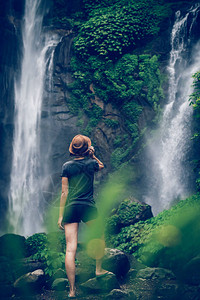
[{"x": 79, "y": 145}]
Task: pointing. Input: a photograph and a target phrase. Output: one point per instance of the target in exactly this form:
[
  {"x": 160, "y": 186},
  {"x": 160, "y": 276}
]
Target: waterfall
[
  {"x": 25, "y": 205},
  {"x": 169, "y": 176}
]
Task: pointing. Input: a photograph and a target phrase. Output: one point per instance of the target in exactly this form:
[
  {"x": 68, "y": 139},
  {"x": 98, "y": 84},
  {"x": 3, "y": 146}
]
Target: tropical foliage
[
  {"x": 113, "y": 28},
  {"x": 195, "y": 102},
  {"x": 49, "y": 249},
  {"x": 168, "y": 240}
]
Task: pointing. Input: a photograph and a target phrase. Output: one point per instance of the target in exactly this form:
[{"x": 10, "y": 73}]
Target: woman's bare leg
[
  {"x": 71, "y": 235},
  {"x": 99, "y": 270}
]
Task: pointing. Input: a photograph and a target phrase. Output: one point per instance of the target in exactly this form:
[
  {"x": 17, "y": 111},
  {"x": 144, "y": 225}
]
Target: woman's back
[{"x": 80, "y": 174}]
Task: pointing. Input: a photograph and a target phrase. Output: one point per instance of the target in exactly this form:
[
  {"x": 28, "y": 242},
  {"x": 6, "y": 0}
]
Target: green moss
[
  {"x": 118, "y": 140},
  {"x": 111, "y": 123},
  {"x": 118, "y": 155},
  {"x": 195, "y": 102},
  {"x": 128, "y": 210},
  {"x": 112, "y": 224}
]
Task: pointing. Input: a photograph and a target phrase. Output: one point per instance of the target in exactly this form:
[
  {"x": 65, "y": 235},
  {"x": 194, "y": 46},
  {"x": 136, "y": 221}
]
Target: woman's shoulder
[
  {"x": 92, "y": 164},
  {"x": 67, "y": 163}
]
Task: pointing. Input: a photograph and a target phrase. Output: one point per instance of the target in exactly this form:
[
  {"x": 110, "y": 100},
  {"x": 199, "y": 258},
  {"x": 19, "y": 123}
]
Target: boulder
[
  {"x": 6, "y": 278},
  {"x": 26, "y": 265},
  {"x": 130, "y": 211},
  {"x": 191, "y": 271},
  {"x": 12, "y": 246},
  {"x": 98, "y": 285},
  {"x": 131, "y": 275},
  {"x": 30, "y": 283},
  {"x": 84, "y": 273},
  {"x": 6, "y": 274},
  {"x": 155, "y": 273},
  {"x": 116, "y": 261},
  {"x": 154, "y": 289},
  {"x": 60, "y": 273},
  {"x": 121, "y": 294},
  {"x": 189, "y": 292},
  {"x": 168, "y": 290},
  {"x": 134, "y": 263},
  {"x": 85, "y": 268},
  {"x": 6, "y": 290},
  {"x": 60, "y": 284}
]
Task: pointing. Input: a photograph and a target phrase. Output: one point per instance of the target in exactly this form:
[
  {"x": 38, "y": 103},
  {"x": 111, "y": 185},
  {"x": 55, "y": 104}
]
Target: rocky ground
[
  {"x": 130, "y": 280},
  {"x": 24, "y": 276}
]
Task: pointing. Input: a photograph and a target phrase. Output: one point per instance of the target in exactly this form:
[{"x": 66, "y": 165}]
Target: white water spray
[
  {"x": 170, "y": 174},
  {"x": 25, "y": 209}
]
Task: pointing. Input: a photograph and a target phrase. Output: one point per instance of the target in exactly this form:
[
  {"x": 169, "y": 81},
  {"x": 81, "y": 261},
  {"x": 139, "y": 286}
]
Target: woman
[{"x": 77, "y": 203}]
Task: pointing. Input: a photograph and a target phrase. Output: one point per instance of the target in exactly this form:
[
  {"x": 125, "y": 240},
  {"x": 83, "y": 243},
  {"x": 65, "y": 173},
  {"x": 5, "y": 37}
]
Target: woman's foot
[
  {"x": 72, "y": 294},
  {"x": 102, "y": 273}
]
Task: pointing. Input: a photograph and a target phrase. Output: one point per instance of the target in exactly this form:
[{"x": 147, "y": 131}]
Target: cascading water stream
[
  {"x": 170, "y": 174},
  {"x": 25, "y": 209}
]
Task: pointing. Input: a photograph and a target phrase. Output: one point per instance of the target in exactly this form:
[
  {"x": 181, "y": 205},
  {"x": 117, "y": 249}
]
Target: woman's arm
[
  {"x": 101, "y": 165},
  {"x": 63, "y": 199}
]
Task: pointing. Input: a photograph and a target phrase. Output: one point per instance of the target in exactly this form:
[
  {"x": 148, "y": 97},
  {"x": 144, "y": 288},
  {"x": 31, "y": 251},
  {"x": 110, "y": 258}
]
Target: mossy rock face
[
  {"x": 191, "y": 271},
  {"x": 12, "y": 246},
  {"x": 6, "y": 272},
  {"x": 116, "y": 262},
  {"x": 156, "y": 273},
  {"x": 60, "y": 284},
  {"x": 104, "y": 284},
  {"x": 129, "y": 212}
]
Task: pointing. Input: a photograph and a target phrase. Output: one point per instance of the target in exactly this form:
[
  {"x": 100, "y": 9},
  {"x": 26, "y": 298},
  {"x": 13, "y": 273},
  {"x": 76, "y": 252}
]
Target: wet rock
[
  {"x": 121, "y": 294},
  {"x": 84, "y": 273},
  {"x": 6, "y": 290},
  {"x": 191, "y": 271},
  {"x": 9, "y": 243},
  {"x": 168, "y": 290},
  {"x": 29, "y": 283},
  {"x": 131, "y": 275},
  {"x": 154, "y": 289},
  {"x": 60, "y": 273},
  {"x": 131, "y": 211},
  {"x": 60, "y": 284},
  {"x": 190, "y": 292},
  {"x": 134, "y": 263},
  {"x": 85, "y": 268},
  {"x": 98, "y": 285},
  {"x": 116, "y": 261},
  {"x": 26, "y": 265},
  {"x": 6, "y": 275},
  {"x": 155, "y": 273},
  {"x": 63, "y": 53},
  {"x": 6, "y": 278}
]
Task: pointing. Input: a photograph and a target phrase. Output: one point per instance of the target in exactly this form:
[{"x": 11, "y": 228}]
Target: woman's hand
[
  {"x": 60, "y": 223},
  {"x": 91, "y": 151}
]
